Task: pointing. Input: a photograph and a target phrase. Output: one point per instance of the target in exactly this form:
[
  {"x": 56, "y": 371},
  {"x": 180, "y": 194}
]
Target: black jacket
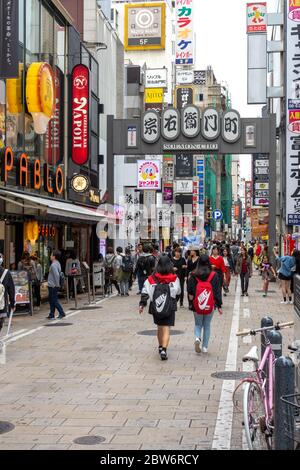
[
  {"x": 217, "y": 291},
  {"x": 179, "y": 263},
  {"x": 9, "y": 293},
  {"x": 145, "y": 265}
]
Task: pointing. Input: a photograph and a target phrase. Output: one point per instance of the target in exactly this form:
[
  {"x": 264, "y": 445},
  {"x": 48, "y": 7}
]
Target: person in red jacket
[
  {"x": 162, "y": 288},
  {"x": 218, "y": 265}
]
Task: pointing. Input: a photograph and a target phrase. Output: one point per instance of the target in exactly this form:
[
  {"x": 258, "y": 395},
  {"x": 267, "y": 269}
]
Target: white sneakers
[
  {"x": 204, "y": 350},
  {"x": 197, "y": 346},
  {"x": 287, "y": 302}
]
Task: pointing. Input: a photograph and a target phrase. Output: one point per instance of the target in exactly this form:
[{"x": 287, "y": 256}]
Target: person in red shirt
[{"x": 217, "y": 264}]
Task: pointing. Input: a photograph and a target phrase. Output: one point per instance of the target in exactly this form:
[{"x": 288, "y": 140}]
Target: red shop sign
[{"x": 80, "y": 114}]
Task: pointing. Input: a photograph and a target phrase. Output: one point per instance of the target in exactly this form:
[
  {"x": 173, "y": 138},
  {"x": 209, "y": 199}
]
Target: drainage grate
[
  {"x": 269, "y": 291},
  {"x": 89, "y": 440},
  {"x": 59, "y": 324},
  {"x": 5, "y": 427},
  {"x": 154, "y": 332},
  {"x": 232, "y": 375}
]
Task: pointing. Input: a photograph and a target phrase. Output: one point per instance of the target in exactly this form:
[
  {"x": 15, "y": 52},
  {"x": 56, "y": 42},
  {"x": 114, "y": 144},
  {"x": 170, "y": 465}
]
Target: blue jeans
[
  {"x": 54, "y": 303},
  {"x": 141, "y": 282},
  {"x": 203, "y": 321},
  {"x": 124, "y": 287}
]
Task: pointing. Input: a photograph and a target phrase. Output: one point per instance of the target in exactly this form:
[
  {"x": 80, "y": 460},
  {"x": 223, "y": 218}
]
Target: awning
[{"x": 56, "y": 207}]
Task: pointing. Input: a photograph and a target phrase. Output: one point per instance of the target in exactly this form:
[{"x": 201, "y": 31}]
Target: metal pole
[
  {"x": 89, "y": 286},
  {"x": 93, "y": 286},
  {"x": 75, "y": 292},
  {"x": 68, "y": 290},
  {"x": 284, "y": 385},
  {"x": 272, "y": 186},
  {"x": 266, "y": 321},
  {"x": 31, "y": 298}
]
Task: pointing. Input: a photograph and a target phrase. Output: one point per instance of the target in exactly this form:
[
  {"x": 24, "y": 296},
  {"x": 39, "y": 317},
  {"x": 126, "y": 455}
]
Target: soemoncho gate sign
[{"x": 193, "y": 131}]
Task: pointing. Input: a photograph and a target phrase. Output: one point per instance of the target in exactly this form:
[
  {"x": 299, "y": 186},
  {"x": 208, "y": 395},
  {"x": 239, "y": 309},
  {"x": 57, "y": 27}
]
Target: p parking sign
[{"x": 217, "y": 215}]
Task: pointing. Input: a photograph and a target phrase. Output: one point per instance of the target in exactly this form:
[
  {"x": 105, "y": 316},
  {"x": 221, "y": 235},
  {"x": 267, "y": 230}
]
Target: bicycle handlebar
[{"x": 278, "y": 326}]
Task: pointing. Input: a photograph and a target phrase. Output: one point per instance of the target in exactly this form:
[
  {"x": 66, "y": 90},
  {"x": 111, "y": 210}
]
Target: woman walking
[
  {"x": 205, "y": 294},
  {"x": 125, "y": 272},
  {"x": 229, "y": 266},
  {"x": 162, "y": 289},
  {"x": 180, "y": 268},
  {"x": 267, "y": 272},
  {"x": 285, "y": 274},
  {"x": 217, "y": 264},
  {"x": 193, "y": 256},
  {"x": 244, "y": 269}
]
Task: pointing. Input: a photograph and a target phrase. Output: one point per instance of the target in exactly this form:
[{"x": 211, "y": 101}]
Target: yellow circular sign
[
  {"x": 40, "y": 89},
  {"x": 47, "y": 90}
]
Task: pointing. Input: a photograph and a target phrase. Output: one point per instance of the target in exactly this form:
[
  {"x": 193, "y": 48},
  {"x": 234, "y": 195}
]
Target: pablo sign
[
  {"x": 31, "y": 173},
  {"x": 80, "y": 114}
]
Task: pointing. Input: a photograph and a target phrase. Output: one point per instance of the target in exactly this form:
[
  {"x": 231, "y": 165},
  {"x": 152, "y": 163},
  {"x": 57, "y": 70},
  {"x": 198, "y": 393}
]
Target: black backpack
[
  {"x": 127, "y": 264},
  {"x": 162, "y": 303}
]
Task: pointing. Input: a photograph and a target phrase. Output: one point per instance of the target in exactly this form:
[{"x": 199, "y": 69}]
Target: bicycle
[{"x": 258, "y": 399}]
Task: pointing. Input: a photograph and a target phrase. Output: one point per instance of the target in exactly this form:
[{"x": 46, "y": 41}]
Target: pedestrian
[
  {"x": 229, "y": 266},
  {"x": 285, "y": 274},
  {"x": 251, "y": 251},
  {"x": 144, "y": 267},
  {"x": 217, "y": 264},
  {"x": 162, "y": 289},
  {"x": 7, "y": 293},
  {"x": 36, "y": 284},
  {"x": 205, "y": 294},
  {"x": 111, "y": 270},
  {"x": 257, "y": 254},
  {"x": 54, "y": 283},
  {"x": 180, "y": 268},
  {"x": 193, "y": 257},
  {"x": 296, "y": 270},
  {"x": 244, "y": 270},
  {"x": 72, "y": 269},
  {"x": 125, "y": 272},
  {"x": 267, "y": 272}
]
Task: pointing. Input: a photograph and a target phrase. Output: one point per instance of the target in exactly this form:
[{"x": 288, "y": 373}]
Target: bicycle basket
[{"x": 291, "y": 410}]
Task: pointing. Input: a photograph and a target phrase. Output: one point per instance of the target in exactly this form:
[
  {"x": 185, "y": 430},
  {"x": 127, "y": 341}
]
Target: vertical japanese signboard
[
  {"x": 248, "y": 197},
  {"x": 260, "y": 174},
  {"x": 292, "y": 113},
  {"x": 9, "y": 38},
  {"x": 80, "y": 114},
  {"x": 184, "y": 33}
]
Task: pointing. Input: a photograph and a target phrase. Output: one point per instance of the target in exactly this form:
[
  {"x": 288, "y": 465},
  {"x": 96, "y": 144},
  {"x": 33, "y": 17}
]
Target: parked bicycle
[{"x": 258, "y": 399}]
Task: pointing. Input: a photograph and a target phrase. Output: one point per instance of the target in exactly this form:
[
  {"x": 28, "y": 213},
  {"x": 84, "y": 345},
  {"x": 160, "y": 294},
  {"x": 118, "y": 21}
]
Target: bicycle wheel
[{"x": 254, "y": 418}]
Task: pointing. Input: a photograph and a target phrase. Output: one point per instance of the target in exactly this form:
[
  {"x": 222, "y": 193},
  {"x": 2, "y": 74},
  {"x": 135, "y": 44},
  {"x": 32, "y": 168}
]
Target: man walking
[
  {"x": 53, "y": 286},
  {"x": 7, "y": 294}
]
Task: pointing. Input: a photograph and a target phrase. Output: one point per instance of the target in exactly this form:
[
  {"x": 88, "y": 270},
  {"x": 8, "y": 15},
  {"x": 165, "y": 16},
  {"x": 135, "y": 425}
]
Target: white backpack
[{"x": 2, "y": 291}]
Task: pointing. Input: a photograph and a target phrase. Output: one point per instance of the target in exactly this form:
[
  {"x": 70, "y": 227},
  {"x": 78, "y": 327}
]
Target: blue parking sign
[{"x": 217, "y": 214}]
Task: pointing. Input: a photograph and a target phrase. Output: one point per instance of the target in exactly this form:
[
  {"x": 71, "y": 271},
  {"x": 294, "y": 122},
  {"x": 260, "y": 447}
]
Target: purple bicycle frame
[{"x": 268, "y": 396}]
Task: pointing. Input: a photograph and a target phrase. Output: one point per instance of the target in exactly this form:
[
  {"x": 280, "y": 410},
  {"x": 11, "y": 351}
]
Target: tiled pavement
[{"x": 99, "y": 377}]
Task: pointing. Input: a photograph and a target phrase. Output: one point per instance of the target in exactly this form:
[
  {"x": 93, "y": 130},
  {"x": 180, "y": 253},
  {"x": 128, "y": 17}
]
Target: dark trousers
[
  {"x": 141, "y": 281},
  {"x": 182, "y": 281},
  {"x": 244, "y": 282},
  {"x": 54, "y": 302},
  {"x": 36, "y": 290},
  {"x": 111, "y": 282}
]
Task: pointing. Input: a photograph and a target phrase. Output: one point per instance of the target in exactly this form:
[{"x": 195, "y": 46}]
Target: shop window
[
  {"x": 47, "y": 37},
  {"x": 85, "y": 57},
  {"x": 59, "y": 45},
  {"x": 32, "y": 30}
]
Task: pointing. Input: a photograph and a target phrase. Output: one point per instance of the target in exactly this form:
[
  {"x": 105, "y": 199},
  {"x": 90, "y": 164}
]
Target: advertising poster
[
  {"x": 260, "y": 222},
  {"x": 184, "y": 44},
  {"x": 292, "y": 114},
  {"x": 20, "y": 279},
  {"x": 149, "y": 174},
  {"x": 257, "y": 17},
  {"x": 144, "y": 26}
]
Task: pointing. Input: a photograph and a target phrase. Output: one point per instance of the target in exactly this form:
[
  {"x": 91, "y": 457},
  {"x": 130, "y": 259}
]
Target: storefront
[{"x": 39, "y": 210}]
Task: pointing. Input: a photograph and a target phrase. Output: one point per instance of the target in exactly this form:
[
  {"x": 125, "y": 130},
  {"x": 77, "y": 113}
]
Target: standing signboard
[
  {"x": 184, "y": 54},
  {"x": 145, "y": 26},
  {"x": 9, "y": 38},
  {"x": 292, "y": 114},
  {"x": 23, "y": 299}
]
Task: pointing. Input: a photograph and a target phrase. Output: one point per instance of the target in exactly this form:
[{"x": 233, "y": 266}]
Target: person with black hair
[
  {"x": 72, "y": 268},
  {"x": 54, "y": 282},
  {"x": 162, "y": 289},
  {"x": 125, "y": 272},
  {"x": 7, "y": 293},
  {"x": 180, "y": 268},
  {"x": 144, "y": 267},
  {"x": 193, "y": 257},
  {"x": 201, "y": 297},
  {"x": 111, "y": 268}
]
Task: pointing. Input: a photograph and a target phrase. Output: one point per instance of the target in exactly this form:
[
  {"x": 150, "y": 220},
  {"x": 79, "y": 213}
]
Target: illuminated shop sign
[{"x": 80, "y": 114}]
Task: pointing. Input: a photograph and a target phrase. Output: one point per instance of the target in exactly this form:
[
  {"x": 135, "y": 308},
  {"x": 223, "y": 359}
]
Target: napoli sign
[{"x": 190, "y": 123}]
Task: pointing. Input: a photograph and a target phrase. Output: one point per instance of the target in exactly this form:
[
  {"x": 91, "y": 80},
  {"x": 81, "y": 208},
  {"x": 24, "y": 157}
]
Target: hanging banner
[
  {"x": 9, "y": 39},
  {"x": 257, "y": 17},
  {"x": 184, "y": 33},
  {"x": 80, "y": 114},
  {"x": 145, "y": 26},
  {"x": 149, "y": 174},
  {"x": 292, "y": 114}
]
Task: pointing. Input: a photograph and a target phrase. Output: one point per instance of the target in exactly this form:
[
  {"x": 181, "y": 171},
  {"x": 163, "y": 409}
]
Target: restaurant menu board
[{"x": 22, "y": 291}]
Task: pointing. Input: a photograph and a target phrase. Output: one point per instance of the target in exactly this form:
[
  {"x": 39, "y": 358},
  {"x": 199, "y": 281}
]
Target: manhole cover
[
  {"x": 59, "y": 324},
  {"x": 154, "y": 332},
  {"x": 89, "y": 440},
  {"x": 232, "y": 375},
  {"x": 5, "y": 427}
]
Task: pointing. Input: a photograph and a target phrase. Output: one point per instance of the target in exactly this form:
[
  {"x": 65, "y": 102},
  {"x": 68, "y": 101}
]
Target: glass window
[
  {"x": 94, "y": 115},
  {"x": 94, "y": 76},
  {"x": 47, "y": 36},
  {"x": 59, "y": 45},
  {"x": 32, "y": 30},
  {"x": 85, "y": 57},
  {"x": 94, "y": 153}
]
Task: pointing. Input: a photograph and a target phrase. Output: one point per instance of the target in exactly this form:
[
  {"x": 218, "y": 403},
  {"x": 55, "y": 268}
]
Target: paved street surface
[{"x": 100, "y": 377}]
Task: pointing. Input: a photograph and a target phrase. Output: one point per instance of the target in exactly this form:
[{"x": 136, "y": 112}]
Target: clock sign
[{"x": 80, "y": 183}]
